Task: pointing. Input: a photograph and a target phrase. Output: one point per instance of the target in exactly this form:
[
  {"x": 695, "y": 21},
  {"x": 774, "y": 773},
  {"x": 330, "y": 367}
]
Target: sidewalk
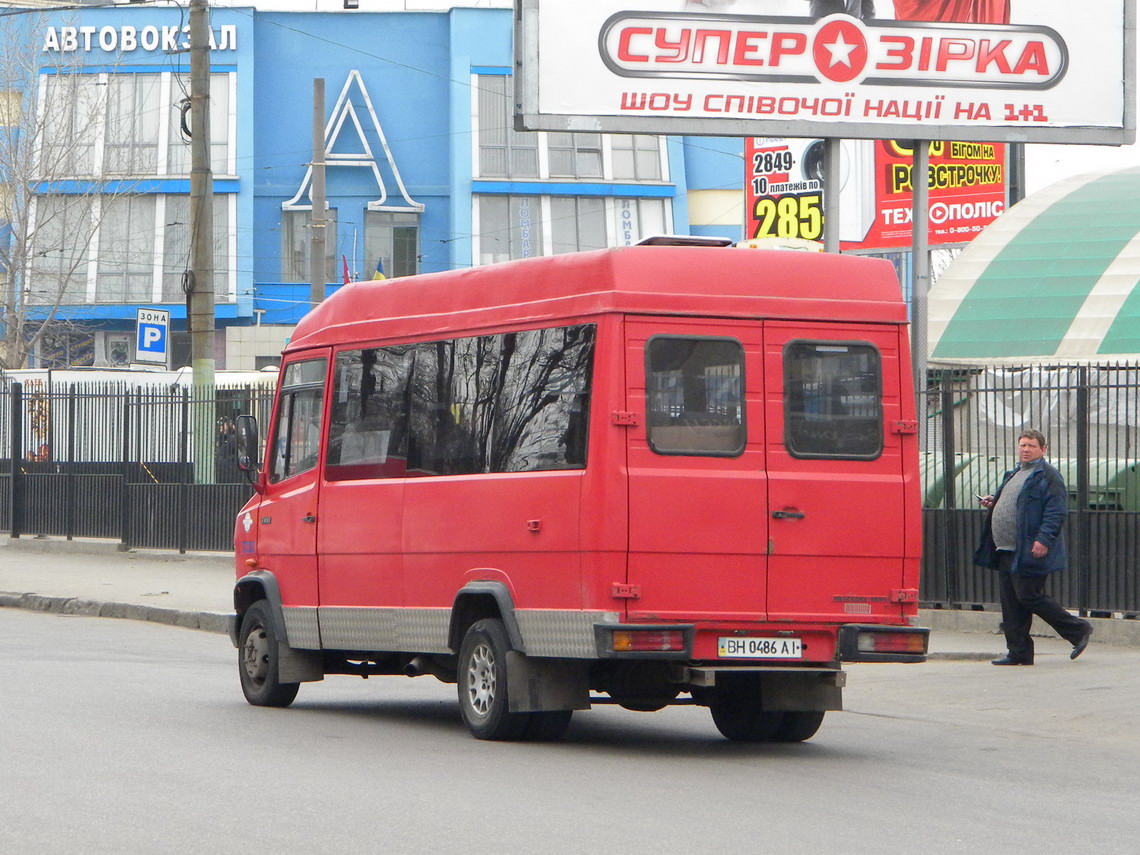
[
  {"x": 195, "y": 590},
  {"x": 92, "y": 577}
]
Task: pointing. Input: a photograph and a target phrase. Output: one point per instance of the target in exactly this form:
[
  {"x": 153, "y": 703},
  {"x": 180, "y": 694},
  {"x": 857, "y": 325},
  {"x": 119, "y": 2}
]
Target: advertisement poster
[
  {"x": 989, "y": 70},
  {"x": 784, "y": 191}
]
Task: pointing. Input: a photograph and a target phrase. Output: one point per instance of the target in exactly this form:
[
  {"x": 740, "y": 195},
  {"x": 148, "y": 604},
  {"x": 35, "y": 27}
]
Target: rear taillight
[
  {"x": 874, "y": 643},
  {"x": 892, "y": 642},
  {"x": 628, "y": 640}
]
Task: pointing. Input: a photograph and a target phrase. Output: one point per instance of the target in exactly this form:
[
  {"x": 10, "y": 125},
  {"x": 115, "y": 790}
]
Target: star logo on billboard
[{"x": 840, "y": 50}]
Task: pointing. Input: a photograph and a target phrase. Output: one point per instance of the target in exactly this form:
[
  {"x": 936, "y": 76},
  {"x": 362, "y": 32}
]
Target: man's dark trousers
[{"x": 1022, "y": 597}]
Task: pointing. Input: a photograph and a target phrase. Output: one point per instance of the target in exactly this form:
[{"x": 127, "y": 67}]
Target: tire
[
  {"x": 737, "y": 714},
  {"x": 798, "y": 726},
  {"x": 257, "y": 660},
  {"x": 483, "y": 700}
]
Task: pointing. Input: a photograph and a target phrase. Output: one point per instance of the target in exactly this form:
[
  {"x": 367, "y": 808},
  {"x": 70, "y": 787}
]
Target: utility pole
[
  {"x": 200, "y": 311},
  {"x": 317, "y": 222}
]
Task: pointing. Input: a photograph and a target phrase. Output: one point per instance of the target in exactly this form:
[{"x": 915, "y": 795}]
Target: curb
[{"x": 217, "y": 622}]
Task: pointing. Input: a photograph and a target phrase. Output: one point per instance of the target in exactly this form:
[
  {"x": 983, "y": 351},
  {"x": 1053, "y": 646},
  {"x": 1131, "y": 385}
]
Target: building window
[
  {"x": 509, "y": 227},
  {"x": 636, "y": 157},
  {"x": 66, "y": 350},
  {"x": 61, "y": 245},
  {"x": 391, "y": 239},
  {"x": 74, "y": 106},
  {"x": 126, "y": 250},
  {"x": 507, "y": 153},
  {"x": 295, "y": 246},
  {"x": 130, "y": 146},
  {"x": 129, "y": 229},
  {"x": 176, "y": 247},
  {"x": 121, "y": 114},
  {"x": 503, "y": 151},
  {"x": 636, "y": 219},
  {"x": 178, "y": 145},
  {"x": 575, "y": 155},
  {"x": 577, "y": 223}
]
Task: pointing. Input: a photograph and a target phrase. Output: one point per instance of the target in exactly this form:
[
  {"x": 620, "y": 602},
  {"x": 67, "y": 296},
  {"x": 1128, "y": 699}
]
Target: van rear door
[
  {"x": 835, "y": 471},
  {"x": 697, "y": 486}
]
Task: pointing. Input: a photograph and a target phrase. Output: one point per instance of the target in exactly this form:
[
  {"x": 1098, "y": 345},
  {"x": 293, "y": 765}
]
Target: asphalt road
[{"x": 126, "y": 737}]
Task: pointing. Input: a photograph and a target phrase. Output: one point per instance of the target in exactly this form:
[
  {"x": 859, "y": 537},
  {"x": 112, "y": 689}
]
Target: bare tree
[{"x": 57, "y": 153}]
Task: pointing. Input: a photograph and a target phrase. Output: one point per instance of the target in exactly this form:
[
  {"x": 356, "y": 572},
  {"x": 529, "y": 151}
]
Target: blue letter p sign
[{"x": 151, "y": 328}]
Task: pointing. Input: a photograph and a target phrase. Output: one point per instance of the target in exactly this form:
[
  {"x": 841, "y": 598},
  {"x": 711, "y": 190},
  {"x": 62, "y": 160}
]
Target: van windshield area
[
  {"x": 695, "y": 396},
  {"x": 833, "y": 400}
]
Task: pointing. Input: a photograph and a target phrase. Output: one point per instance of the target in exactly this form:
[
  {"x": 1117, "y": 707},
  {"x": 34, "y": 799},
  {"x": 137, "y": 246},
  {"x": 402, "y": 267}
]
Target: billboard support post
[
  {"x": 920, "y": 277},
  {"x": 833, "y": 181}
]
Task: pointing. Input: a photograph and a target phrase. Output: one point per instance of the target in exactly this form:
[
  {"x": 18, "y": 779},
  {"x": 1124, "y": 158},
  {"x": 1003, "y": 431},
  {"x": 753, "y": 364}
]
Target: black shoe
[
  {"x": 1009, "y": 660},
  {"x": 1080, "y": 646}
]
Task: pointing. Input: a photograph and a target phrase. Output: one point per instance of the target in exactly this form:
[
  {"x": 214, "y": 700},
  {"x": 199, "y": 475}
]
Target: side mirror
[{"x": 248, "y": 451}]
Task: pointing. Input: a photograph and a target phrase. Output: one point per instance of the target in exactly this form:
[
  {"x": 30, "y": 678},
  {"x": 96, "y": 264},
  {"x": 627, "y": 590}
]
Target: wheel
[
  {"x": 257, "y": 660},
  {"x": 737, "y": 714},
  {"x": 483, "y": 684},
  {"x": 798, "y": 726}
]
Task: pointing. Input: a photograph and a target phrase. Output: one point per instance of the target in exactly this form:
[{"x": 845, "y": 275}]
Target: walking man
[{"x": 1023, "y": 540}]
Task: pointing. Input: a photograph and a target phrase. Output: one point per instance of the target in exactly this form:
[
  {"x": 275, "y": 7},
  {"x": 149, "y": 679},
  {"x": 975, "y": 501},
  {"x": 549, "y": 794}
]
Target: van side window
[
  {"x": 544, "y": 400},
  {"x": 695, "y": 396},
  {"x": 368, "y": 428},
  {"x": 833, "y": 400},
  {"x": 509, "y": 402},
  {"x": 297, "y": 430}
]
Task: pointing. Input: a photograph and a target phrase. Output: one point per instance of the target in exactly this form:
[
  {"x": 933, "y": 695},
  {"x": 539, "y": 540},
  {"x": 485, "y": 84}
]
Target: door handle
[
  {"x": 309, "y": 518},
  {"x": 787, "y": 515}
]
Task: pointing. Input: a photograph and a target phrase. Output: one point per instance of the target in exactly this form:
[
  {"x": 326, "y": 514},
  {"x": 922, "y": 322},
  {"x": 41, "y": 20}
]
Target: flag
[
  {"x": 379, "y": 274},
  {"x": 347, "y": 278}
]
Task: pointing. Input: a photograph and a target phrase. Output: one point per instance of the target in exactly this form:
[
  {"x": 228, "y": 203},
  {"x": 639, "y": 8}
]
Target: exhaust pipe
[{"x": 421, "y": 665}]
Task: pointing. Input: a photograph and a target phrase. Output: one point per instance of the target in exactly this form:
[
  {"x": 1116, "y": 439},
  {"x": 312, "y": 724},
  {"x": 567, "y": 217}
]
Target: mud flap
[{"x": 544, "y": 685}]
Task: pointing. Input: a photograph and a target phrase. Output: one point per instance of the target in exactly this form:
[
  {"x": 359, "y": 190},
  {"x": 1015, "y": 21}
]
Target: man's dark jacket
[{"x": 1041, "y": 508}]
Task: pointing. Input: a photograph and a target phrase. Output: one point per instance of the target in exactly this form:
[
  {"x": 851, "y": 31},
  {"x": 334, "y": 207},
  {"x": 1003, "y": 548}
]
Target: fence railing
[
  {"x": 155, "y": 467},
  {"x": 1091, "y": 418},
  {"x": 151, "y": 466}
]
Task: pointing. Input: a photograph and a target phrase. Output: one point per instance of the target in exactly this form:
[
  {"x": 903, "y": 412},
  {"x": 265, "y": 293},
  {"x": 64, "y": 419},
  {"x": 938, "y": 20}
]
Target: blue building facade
[{"x": 424, "y": 171}]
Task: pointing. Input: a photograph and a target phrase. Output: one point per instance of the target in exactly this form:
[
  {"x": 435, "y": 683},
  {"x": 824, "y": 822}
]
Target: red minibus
[{"x": 647, "y": 476}]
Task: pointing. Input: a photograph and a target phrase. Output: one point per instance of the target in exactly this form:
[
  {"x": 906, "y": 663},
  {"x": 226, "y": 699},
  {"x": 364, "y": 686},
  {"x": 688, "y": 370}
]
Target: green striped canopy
[{"x": 1054, "y": 278}]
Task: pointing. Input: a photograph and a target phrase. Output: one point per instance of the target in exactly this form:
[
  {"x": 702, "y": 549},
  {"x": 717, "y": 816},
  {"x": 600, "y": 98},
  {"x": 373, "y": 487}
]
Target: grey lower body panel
[{"x": 554, "y": 633}]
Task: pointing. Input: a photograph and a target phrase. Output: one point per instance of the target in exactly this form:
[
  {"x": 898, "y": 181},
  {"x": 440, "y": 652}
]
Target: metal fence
[
  {"x": 1091, "y": 417},
  {"x": 151, "y": 466},
  {"x": 154, "y": 467}
]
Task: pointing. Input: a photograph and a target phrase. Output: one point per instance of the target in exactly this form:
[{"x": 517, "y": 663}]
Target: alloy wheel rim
[{"x": 481, "y": 680}]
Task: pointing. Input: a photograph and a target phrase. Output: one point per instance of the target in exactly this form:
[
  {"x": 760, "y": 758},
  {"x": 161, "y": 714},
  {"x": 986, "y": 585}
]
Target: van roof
[{"x": 668, "y": 280}]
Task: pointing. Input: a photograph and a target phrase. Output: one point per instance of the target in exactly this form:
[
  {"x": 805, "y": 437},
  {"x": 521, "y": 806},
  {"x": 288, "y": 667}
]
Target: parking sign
[{"x": 151, "y": 328}]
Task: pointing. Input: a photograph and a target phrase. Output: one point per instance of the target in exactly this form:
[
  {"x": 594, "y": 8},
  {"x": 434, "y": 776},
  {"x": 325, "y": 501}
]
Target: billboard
[
  {"x": 984, "y": 70},
  {"x": 784, "y": 190}
]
